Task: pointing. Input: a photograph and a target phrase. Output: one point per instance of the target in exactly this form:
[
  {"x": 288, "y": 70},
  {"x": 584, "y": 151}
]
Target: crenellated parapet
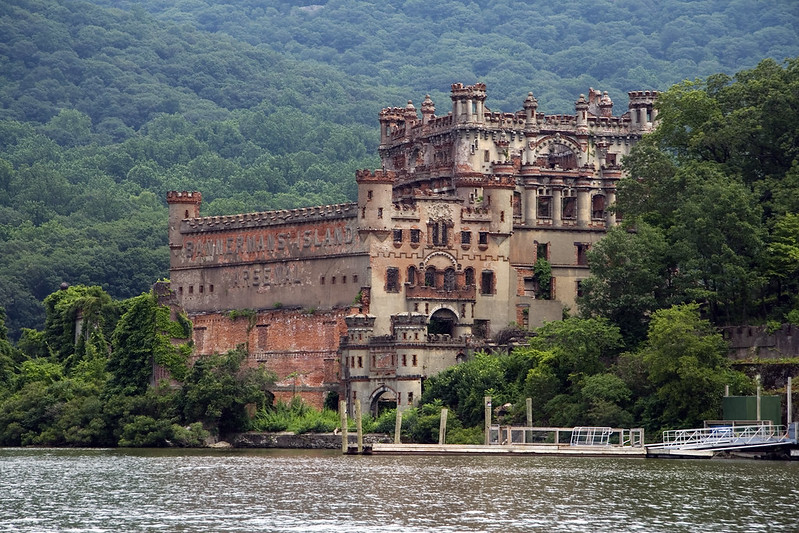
[
  {"x": 184, "y": 197},
  {"x": 271, "y": 218},
  {"x": 375, "y": 176}
]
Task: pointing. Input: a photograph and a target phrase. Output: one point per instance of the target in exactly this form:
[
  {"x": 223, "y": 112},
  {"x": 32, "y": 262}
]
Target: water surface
[{"x": 64, "y": 490}]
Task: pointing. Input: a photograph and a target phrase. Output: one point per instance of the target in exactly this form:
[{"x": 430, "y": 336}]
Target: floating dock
[{"x": 507, "y": 449}]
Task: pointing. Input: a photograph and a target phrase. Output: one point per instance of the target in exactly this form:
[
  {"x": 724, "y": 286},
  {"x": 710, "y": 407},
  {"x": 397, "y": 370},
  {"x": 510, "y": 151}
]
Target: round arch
[
  {"x": 442, "y": 322},
  {"x": 382, "y": 398}
]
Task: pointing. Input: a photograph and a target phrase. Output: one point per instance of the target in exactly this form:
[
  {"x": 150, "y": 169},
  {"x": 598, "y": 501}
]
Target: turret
[
  {"x": 642, "y": 112},
  {"x": 411, "y": 118},
  {"x": 375, "y": 198},
  {"x": 428, "y": 110},
  {"x": 468, "y": 102},
  {"x": 389, "y": 118},
  {"x": 182, "y": 205},
  {"x": 606, "y": 106},
  {"x": 530, "y": 110},
  {"x": 581, "y": 112}
]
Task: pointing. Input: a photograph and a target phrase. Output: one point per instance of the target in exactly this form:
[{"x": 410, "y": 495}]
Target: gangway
[{"x": 721, "y": 438}]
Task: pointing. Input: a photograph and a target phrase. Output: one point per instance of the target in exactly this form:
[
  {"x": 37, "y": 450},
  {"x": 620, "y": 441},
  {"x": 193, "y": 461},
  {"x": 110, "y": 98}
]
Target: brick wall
[{"x": 299, "y": 347}]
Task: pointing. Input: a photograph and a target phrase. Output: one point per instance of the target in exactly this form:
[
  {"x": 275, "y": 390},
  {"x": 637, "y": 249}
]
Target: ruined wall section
[
  {"x": 299, "y": 346},
  {"x": 309, "y": 258}
]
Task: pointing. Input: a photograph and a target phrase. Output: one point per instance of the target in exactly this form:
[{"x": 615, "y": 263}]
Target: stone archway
[
  {"x": 442, "y": 322},
  {"x": 382, "y": 399}
]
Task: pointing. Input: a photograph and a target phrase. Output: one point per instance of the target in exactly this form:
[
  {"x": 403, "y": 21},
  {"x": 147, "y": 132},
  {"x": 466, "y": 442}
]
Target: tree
[
  {"x": 686, "y": 364},
  {"x": 631, "y": 276},
  {"x": 144, "y": 336},
  {"x": 217, "y": 391}
]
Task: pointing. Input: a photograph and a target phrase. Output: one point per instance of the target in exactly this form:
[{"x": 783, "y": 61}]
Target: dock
[{"x": 507, "y": 449}]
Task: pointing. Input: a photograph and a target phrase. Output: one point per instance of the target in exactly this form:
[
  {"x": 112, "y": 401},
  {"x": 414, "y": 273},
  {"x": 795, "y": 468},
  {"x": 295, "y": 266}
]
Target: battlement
[
  {"x": 375, "y": 176},
  {"x": 184, "y": 197},
  {"x": 643, "y": 95},
  {"x": 272, "y": 218}
]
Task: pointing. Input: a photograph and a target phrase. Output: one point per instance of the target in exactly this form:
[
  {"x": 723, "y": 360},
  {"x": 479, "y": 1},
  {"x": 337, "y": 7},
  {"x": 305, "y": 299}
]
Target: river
[{"x": 131, "y": 490}]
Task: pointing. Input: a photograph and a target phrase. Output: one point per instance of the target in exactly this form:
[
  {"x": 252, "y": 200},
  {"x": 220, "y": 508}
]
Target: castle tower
[
  {"x": 530, "y": 110},
  {"x": 642, "y": 112},
  {"x": 374, "y": 199},
  {"x": 182, "y": 205},
  {"x": 468, "y": 103},
  {"x": 428, "y": 110}
]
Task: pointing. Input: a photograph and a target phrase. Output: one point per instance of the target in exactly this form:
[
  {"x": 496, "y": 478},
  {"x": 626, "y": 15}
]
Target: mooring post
[
  {"x": 342, "y": 413},
  {"x": 726, "y": 390},
  {"x": 789, "y": 403},
  {"x": 442, "y": 427},
  {"x": 487, "y": 403},
  {"x": 757, "y": 377},
  {"x": 398, "y": 427},
  {"x": 359, "y": 421},
  {"x": 529, "y": 402}
]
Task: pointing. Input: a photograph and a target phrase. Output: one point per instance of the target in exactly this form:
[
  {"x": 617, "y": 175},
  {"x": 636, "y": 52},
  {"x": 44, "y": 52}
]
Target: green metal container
[{"x": 745, "y": 408}]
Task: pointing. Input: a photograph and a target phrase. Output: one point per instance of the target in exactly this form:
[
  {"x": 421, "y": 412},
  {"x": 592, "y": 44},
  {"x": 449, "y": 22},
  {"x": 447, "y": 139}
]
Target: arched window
[
  {"x": 430, "y": 276},
  {"x": 469, "y": 276},
  {"x": 449, "y": 279},
  {"x": 411, "y": 275}
]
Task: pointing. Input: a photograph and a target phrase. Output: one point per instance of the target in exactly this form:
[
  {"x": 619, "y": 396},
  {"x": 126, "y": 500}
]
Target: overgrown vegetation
[
  {"x": 90, "y": 392},
  {"x": 104, "y": 105}
]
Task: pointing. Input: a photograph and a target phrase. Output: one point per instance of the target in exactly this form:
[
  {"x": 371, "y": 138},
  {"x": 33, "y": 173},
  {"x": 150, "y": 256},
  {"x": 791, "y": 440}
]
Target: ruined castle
[{"x": 477, "y": 220}]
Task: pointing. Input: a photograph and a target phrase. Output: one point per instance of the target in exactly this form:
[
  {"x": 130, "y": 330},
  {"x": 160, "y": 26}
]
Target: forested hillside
[{"x": 260, "y": 105}]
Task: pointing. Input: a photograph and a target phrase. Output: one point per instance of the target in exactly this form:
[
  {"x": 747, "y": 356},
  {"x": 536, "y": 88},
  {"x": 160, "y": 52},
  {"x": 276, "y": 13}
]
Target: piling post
[
  {"x": 487, "y": 404},
  {"x": 398, "y": 427},
  {"x": 726, "y": 390},
  {"x": 789, "y": 403},
  {"x": 359, "y": 422},
  {"x": 529, "y": 402},
  {"x": 758, "y": 398},
  {"x": 342, "y": 413},
  {"x": 442, "y": 427}
]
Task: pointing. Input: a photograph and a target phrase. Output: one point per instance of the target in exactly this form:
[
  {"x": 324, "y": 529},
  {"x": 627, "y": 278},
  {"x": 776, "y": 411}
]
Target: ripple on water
[{"x": 300, "y": 491}]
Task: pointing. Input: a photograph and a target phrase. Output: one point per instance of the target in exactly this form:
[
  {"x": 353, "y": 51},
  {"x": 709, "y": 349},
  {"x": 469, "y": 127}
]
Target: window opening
[{"x": 392, "y": 279}]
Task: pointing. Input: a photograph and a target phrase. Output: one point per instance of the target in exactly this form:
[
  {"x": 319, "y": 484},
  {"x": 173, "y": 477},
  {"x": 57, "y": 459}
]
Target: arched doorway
[
  {"x": 442, "y": 322},
  {"x": 382, "y": 399}
]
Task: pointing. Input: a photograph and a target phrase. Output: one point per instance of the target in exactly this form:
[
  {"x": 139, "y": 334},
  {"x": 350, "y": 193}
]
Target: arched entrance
[
  {"x": 382, "y": 399},
  {"x": 442, "y": 322}
]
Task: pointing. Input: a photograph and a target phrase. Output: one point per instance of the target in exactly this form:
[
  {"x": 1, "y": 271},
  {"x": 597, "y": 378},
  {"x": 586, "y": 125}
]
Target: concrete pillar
[
  {"x": 610, "y": 217},
  {"x": 557, "y": 206},
  {"x": 530, "y": 200},
  {"x": 583, "y": 207}
]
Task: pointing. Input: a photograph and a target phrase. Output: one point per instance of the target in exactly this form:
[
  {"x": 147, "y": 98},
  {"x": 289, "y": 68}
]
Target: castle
[{"x": 477, "y": 220}]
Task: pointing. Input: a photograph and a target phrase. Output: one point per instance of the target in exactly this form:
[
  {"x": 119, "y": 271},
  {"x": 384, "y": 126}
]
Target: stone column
[
  {"x": 557, "y": 206},
  {"x": 583, "y": 207}
]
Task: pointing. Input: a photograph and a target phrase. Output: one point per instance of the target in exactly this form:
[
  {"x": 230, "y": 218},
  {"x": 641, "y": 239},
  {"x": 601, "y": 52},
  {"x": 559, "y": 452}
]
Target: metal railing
[
  {"x": 724, "y": 437},
  {"x": 577, "y": 436}
]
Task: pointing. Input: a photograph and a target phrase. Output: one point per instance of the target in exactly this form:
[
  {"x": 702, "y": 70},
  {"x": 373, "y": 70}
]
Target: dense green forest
[
  {"x": 104, "y": 106},
  {"x": 262, "y": 105}
]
